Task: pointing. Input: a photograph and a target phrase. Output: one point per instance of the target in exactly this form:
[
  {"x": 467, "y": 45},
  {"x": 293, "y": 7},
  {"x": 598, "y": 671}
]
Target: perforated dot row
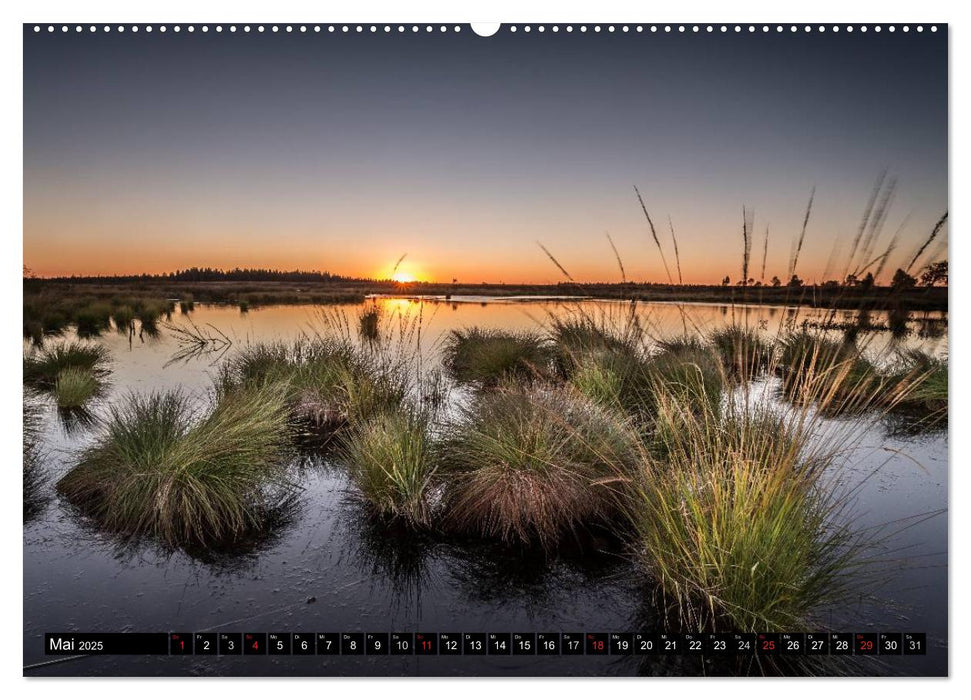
[
  {"x": 287, "y": 28},
  {"x": 723, "y": 28},
  {"x": 428, "y": 28}
]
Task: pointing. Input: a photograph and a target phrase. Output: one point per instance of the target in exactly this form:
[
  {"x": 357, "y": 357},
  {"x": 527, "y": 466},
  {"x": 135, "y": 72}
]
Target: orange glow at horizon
[{"x": 516, "y": 265}]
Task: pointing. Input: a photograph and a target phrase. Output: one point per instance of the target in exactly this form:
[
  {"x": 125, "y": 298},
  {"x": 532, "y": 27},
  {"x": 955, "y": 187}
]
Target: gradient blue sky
[{"x": 151, "y": 152}]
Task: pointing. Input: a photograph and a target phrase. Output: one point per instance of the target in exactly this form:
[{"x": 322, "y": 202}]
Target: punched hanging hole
[{"x": 485, "y": 29}]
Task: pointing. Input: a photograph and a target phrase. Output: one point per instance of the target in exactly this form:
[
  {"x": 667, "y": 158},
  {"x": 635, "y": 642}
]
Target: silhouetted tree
[
  {"x": 776, "y": 282},
  {"x": 867, "y": 282},
  {"x": 795, "y": 282},
  {"x": 902, "y": 281},
  {"x": 935, "y": 273},
  {"x": 727, "y": 281}
]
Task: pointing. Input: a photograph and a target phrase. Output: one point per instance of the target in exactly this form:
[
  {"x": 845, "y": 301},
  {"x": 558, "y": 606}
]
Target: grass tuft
[
  {"x": 74, "y": 387},
  {"x": 158, "y": 471},
  {"x": 486, "y": 357},
  {"x": 688, "y": 372},
  {"x": 576, "y": 338},
  {"x": 734, "y": 526},
  {"x": 327, "y": 382},
  {"x": 390, "y": 460},
  {"x": 124, "y": 318},
  {"x": 187, "y": 304},
  {"x": 917, "y": 385},
  {"x": 92, "y": 319},
  {"x": 832, "y": 374},
  {"x": 43, "y": 367},
  {"x": 532, "y": 464},
  {"x": 743, "y": 352}
]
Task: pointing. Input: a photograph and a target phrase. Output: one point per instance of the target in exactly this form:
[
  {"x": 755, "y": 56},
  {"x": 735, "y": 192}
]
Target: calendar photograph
[{"x": 534, "y": 350}]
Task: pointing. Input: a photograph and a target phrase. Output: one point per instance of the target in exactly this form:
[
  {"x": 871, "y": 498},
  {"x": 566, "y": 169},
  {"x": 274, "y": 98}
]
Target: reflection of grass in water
[
  {"x": 369, "y": 322},
  {"x": 75, "y": 421},
  {"x": 158, "y": 471},
  {"x": 390, "y": 549},
  {"x": 231, "y": 558},
  {"x": 35, "y": 476},
  {"x": 148, "y": 316},
  {"x": 50, "y": 312},
  {"x": 488, "y": 571},
  {"x": 197, "y": 342}
]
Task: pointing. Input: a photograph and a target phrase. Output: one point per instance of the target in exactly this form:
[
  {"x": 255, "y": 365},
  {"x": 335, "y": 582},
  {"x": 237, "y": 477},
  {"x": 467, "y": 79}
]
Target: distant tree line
[
  {"x": 933, "y": 275},
  {"x": 214, "y": 274}
]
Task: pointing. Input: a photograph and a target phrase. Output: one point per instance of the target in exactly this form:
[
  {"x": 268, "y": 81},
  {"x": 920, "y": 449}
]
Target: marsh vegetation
[{"x": 697, "y": 454}]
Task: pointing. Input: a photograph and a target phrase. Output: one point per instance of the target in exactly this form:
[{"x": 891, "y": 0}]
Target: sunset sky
[{"x": 340, "y": 152}]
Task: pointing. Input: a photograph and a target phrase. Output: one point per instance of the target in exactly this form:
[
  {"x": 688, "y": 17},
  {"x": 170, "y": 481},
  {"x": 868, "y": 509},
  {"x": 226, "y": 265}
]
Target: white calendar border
[{"x": 510, "y": 11}]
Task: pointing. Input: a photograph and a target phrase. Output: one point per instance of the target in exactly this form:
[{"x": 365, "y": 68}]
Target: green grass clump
[
  {"x": 533, "y": 464},
  {"x": 743, "y": 352},
  {"x": 34, "y": 331},
  {"x": 831, "y": 374},
  {"x": 390, "y": 460},
  {"x": 597, "y": 378},
  {"x": 577, "y": 338},
  {"x": 159, "y": 471},
  {"x": 75, "y": 386},
  {"x": 917, "y": 385},
  {"x": 43, "y": 367},
  {"x": 584, "y": 334},
  {"x": 688, "y": 372},
  {"x": 486, "y": 357},
  {"x": 92, "y": 319},
  {"x": 616, "y": 379},
  {"x": 328, "y": 382},
  {"x": 187, "y": 304},
  {"x": 685, "y": 343},
  {"x": 734, "y": 526},
  {"x": 124, "y": 318},
  {"x": 149, "y": 313}
]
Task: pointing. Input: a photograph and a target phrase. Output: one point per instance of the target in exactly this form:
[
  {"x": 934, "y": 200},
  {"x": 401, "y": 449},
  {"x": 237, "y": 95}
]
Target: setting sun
[{"x": 403, "y": 277}]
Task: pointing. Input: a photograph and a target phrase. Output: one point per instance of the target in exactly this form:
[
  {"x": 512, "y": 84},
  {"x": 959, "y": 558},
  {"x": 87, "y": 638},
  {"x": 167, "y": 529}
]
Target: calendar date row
[{"x": 485, "y": 643}]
